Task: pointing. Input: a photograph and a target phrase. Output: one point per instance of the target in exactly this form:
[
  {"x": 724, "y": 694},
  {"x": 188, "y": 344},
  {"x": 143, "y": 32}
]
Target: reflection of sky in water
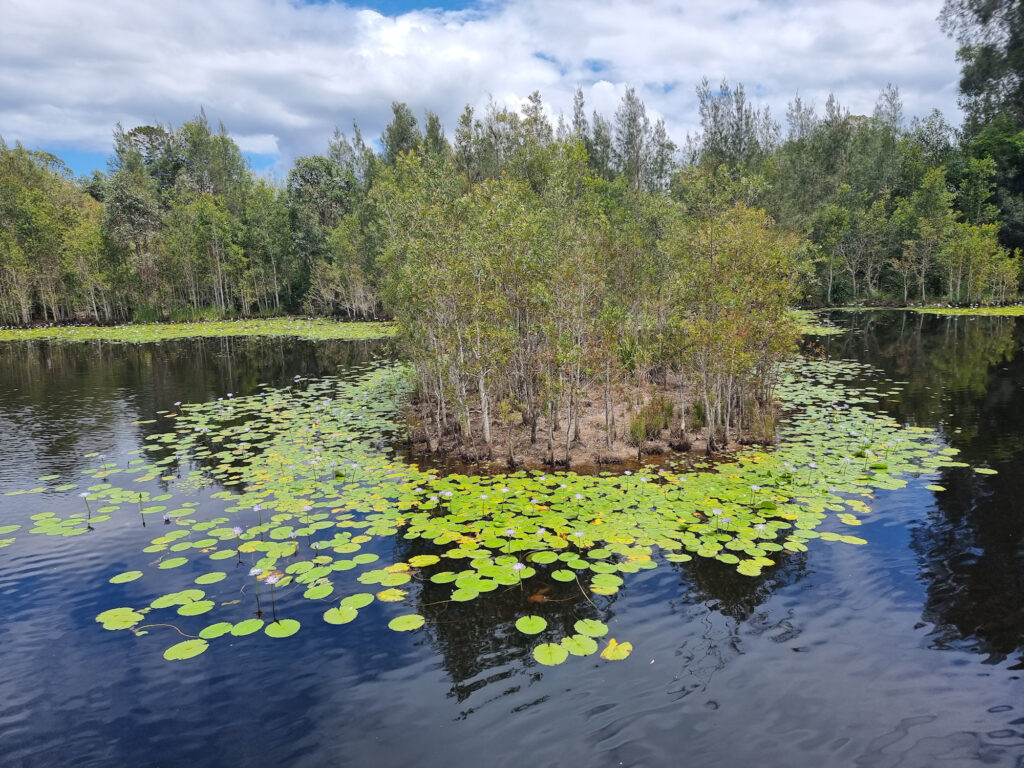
[{"x": 830, "y": 660}]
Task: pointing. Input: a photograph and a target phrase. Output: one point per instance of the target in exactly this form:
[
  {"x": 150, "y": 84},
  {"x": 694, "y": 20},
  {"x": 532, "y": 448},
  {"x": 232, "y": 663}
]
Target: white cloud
[
  {"x": 282, "y": 76},
  {"x": 260, "y": 143}
]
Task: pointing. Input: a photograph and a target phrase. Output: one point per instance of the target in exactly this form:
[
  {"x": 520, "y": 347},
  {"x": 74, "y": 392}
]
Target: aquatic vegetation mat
[
  {"x": 305, "y": 328},
  {"x": 811, "y": 324},
  {"x": 306, "y": 486},
  {"x": 1015, "y": 310}
]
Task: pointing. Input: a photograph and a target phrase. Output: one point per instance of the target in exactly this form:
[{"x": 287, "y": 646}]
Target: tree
[
  {"x": 402, "y": 134},
  {"x": 991, "y": 38},
  {"x": 434, "y": 141},
  {"x": 631, "y": 148}
]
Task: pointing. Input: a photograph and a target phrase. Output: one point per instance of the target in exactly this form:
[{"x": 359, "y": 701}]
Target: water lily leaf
[
  {"x": 616, "y": 651},
  {"x": 531, "y": 625},
  {"x": 186, "y": 649},
  {"x": 282, "y": 628},
  {"x": 343, "y": 614},
  {"x": 986, "y": 471},
  {"x": 247, "y": 627},
  {"x": 406, "y": 623},
  {"x": 579, "y": 645},
  {"x": 591, "y": 628},
  {"x": 213, "y": 631},
  {"x": 119, "y": 618},
  {"x": 173, "y": 562},
  {"x": 360, "y": 600},
  {"x": 550, "y": 654},
  {"x": 211, "y": 578},
  {"x": 391, "y": 595},
  {"x": 422, "y": 561},
  {"x": 196, "y": 608},
  {"x": 319, "y": 592},
  {"x": 124, "y": 578}
]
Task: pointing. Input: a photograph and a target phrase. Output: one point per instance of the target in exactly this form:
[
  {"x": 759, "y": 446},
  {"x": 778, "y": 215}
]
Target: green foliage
[{"x": 651, "y": 420}]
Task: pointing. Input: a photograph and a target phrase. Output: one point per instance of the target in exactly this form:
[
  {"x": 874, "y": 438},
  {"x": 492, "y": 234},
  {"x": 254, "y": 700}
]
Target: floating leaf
[
  {"x": 579, "y": 645},
  {"x": 360, "y": 600},
  {"x": 406, "y": 623},
  {"x": 247, "y": 627},
  {"x": 616, "y": 651},
  {"x": 550, "y": 654},
  {"x": 591, "y": 628},
  {"x": 119, "y": 618},
  {"x": 124, "y": 578},
  {"x": 422, "y": 561},
  {"x": 319, "y": 592},
  {"x": 531, "y": 625},
  {"x": 211, "y": 578},
  {"x": 343, "y": 614},
  {"x": 186, "y": 649},
  {"x": 282, "y": 628},
  {"x": 213, "y": 631},
  {"x": 196, "y": 608}
]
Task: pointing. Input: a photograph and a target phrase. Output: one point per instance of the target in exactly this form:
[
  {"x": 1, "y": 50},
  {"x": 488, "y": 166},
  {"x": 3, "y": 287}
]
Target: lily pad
[
  {"x": 186, "y": 649},
  {"x": 550, "y": 654},
  {"x": 591, "y": 628},
  {"x": 127, "y": 576},
  {"x": 406, "y": 623},
  {"x": 282, "y": 628},
  {"x": 531, "y": 625}
]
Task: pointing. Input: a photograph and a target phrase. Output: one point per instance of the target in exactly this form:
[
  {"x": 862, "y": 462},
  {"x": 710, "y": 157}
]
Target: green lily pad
[
  {"x": 213, "y": 631},
  {"x": 531, "y": 625},
  {"x": 127, "y": 576},
  {"x": 282, "y": 628},
  {"x": 186, "y": 649},
  {"x": 247, "y": 627},
  {"x": 359, "y": 600},
  {"x": 119, "y": 618},
  {"x": 342, "y": 614},
  {"x": 550, "y": 654},
  {"x": 196, "y": 608},
  {"x": 173, "y": 562},
  {"x": 591, "y": 628},
  {"x": 579, "y": 645},
  {"x": 406, "y": 623},
  {"x": 211, "y": 578}
]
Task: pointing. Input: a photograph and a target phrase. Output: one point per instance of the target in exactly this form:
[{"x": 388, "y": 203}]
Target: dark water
[{"x": 906, "y": 652}]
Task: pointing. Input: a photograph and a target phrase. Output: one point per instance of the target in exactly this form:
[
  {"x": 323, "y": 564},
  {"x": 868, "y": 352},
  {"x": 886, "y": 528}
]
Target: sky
[{"x": 282, "y": 75}]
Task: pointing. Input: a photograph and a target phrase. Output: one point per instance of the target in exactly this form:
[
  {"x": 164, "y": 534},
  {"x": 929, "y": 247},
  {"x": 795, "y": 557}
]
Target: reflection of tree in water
[
  {"x": 972, "y": 549},
  {"x": 965, "y": 379},
  {"x": 946, "y": 362},
  {"x": 723, "y": 605},
  {"x": 59, "y": 394},
  {"x": 478, "y": 636},
  {"x": 480, "y": 646}
]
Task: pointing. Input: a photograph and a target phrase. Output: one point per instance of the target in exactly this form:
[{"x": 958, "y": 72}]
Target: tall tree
[{"x": 402, "y": 134}]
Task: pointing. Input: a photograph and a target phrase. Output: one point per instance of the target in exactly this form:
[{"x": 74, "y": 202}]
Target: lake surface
[{"x": 907, "y": 651}]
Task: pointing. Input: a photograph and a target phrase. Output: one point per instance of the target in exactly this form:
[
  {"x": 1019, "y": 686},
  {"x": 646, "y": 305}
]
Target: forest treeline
[{"x": 181, "y": 227}]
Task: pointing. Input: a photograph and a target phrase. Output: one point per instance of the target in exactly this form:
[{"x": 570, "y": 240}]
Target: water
[{"x": 908, "y": 651}]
